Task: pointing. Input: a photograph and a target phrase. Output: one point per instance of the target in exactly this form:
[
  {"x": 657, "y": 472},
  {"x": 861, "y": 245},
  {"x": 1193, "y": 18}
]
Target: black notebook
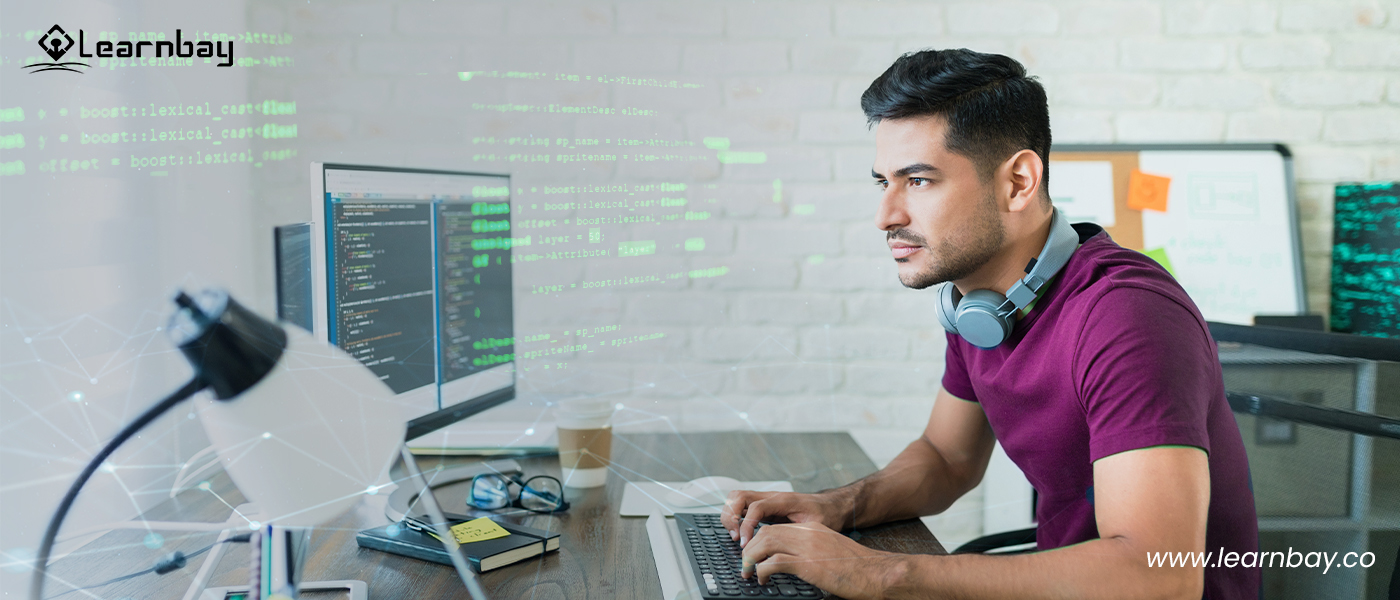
[{"x": 522, "y": 543}]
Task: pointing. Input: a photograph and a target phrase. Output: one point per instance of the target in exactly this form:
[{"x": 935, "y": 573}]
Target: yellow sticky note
[
  {"x": 1147, "y": 192},
  {"x": 478, "y": 530}
]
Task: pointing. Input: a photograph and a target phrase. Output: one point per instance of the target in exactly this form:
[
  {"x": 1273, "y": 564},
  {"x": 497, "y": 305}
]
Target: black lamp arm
[{"x": 41, "y": 560}]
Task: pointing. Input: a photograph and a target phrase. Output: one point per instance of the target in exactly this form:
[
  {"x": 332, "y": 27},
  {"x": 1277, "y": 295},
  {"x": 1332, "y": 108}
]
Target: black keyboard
[{"x": 717, "y": 561}]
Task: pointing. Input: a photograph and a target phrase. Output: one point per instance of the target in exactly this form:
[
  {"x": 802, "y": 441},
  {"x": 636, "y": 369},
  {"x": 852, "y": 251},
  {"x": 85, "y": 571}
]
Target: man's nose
[{"x": 891, "y": 214}]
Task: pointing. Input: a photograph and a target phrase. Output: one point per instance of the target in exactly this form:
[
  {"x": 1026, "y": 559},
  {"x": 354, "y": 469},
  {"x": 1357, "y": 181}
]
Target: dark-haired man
[{"x": 1107, "y": 391}]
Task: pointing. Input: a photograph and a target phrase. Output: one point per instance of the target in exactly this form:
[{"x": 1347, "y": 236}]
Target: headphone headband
[{"x": 1059, "y": 247}]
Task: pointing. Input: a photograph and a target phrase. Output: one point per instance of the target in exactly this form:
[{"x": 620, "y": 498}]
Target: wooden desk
[{"x": 602, "y": 555}]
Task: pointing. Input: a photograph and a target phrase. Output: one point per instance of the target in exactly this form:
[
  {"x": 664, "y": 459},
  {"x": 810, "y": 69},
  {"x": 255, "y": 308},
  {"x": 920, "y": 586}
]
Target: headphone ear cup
[
  {"x": 946, "y": 306},
  {"x": 979, "y": 322}
]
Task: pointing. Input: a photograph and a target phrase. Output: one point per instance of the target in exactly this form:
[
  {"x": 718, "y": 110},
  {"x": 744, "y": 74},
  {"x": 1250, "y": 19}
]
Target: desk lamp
[{"x": 301, "y": 427}]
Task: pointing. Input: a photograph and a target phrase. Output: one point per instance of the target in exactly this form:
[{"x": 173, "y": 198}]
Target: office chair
[{"x": 1272, "y": 407}]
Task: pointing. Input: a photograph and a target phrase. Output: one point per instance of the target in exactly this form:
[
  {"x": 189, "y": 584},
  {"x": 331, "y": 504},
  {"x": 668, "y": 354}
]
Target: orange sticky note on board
[{"x": 1147, "y": 191}]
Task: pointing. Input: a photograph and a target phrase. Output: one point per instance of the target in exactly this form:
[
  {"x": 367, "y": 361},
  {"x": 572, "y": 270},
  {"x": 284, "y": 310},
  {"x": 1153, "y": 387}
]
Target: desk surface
[{"x": 602, "y": 555}]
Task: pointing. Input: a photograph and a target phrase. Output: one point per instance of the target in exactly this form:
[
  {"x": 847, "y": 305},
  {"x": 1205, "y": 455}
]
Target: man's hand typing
[{"x": 744, "y": 510}]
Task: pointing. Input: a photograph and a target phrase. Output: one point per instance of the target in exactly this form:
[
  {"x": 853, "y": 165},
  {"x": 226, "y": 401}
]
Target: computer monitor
[
  {"x": 291, "y": 247},
  {"x": 411, "y": 274}
]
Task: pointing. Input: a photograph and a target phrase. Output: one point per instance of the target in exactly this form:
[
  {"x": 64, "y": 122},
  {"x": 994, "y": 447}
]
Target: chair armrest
[
  {"x": 1321, "y": 416},
  {"x": 997, "y": 540}
]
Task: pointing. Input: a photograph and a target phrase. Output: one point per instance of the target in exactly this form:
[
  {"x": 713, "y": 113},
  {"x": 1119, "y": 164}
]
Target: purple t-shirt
[{"x": 1114, "y": 357}]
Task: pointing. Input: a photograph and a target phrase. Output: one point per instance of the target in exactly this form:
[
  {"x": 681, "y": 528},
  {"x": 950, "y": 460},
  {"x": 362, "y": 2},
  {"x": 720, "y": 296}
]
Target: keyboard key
[{"x": 787, "y": 590}]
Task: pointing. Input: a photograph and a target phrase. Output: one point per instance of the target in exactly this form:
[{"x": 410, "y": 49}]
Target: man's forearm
[
  {"x": 1103, "y": 568},
  {"x": 918, "y": 482}
]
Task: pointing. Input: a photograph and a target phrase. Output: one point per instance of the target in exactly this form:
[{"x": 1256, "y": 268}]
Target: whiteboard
[{"x": 1229, "y": 233}]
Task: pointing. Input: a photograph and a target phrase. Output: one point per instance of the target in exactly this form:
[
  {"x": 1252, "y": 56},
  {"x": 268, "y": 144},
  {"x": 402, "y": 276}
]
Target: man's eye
[
  {"x": 917, "y": 181},
  {"x": 881, "y": 183}
]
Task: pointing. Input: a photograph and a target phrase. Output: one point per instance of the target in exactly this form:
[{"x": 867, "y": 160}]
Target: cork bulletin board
[{"x": 1220, "y": 217}]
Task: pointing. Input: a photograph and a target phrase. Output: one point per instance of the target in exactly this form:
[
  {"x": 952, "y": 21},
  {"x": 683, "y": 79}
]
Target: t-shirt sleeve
[
  {"x": 955, "y": 378},
  {"x": 1146, "y": 371}
]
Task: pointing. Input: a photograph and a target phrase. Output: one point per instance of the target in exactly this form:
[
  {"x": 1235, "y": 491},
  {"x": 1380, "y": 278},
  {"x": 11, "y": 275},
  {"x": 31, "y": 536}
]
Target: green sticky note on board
[{"x": 1160, "y": 255}]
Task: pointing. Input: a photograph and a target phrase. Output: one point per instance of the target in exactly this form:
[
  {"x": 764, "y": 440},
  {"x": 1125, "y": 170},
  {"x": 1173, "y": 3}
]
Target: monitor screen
[{"x": 412, "y": 276}]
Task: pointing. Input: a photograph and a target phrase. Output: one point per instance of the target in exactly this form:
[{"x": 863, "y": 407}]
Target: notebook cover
[
  {"x": 483, "y": 556},
  {"x": 551, "y": 538}
]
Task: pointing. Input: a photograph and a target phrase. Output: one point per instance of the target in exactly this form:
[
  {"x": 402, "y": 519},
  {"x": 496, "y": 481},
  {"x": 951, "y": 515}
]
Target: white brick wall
[
  {"x": 1169, "y": 125},
  {"x": 1002, "y": 18},
  {"x": 668, "y": 19},
  {"x": 1332, "y": 16},
  {"x": 1173, "y": 55},
  {"x": 1272, "y": 124},
  {"x": 880, "y": 21},
  {"x": 1279, "y": 52},
  {"x": 1053, "y": 54},
  {"x": 1331, "y": 89},
  {"x": 1117, "y": 18},
  {"x": 417, "y": 18},
  {"x": 809, "y": 328},
  {"x": 777, "y": 20},
  {"x": 1215, "y": 91},
  {"x": 1371, "y": 51},
  {"x": 1102, "y": 90},
  {"x": 1200, "y": 17}
]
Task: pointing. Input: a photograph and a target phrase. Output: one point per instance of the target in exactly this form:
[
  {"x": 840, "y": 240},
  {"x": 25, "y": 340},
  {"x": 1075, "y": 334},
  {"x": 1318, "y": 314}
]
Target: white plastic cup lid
[
  {"x": 585, "y": 407},
  {"x": 583, "y": 413}
]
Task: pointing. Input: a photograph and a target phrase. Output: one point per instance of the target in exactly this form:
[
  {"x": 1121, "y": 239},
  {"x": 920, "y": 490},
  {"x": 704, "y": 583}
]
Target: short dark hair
[{"x": 993, "y": 108}]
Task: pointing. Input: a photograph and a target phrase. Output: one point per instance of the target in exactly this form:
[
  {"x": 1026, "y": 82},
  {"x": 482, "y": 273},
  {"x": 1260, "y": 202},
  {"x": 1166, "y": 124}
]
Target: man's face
[{"x": 941, "y": 222}]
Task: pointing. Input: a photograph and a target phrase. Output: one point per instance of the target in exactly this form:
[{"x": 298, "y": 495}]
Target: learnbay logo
[{"x": 56, "y": 43}]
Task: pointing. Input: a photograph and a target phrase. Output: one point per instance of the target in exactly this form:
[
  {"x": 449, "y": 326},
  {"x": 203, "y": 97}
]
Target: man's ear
[{"x": 1024, "y": 171}]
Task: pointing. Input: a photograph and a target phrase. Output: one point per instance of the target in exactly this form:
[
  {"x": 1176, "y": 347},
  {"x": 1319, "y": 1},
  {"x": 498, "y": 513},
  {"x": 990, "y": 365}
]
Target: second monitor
[{"x": 412, "y": 276}]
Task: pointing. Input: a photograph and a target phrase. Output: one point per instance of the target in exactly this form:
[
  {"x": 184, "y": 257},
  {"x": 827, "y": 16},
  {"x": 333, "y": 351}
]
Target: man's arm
[
  {"x": 932, "y": 472},
  {"x": 1153, "y": 500}
]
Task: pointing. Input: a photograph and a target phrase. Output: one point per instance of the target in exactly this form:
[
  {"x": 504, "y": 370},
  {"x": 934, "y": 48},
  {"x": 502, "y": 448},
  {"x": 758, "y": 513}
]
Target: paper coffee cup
[{"x": 585, "y": 441}]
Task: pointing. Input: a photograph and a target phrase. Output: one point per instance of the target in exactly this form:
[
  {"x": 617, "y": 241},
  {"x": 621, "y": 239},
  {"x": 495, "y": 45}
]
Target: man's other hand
[
  {"x": 821, "y": 557},
  {"x": 744, "y": 510}
]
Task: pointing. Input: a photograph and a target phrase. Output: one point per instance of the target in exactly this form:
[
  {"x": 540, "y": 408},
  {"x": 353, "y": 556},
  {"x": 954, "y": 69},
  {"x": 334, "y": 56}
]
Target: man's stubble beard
[{"x": 958, "y": 256}]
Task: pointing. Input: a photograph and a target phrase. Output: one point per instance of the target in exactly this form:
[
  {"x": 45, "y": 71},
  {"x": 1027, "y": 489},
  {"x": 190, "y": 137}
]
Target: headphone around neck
[{"x": 985, "y": 317}]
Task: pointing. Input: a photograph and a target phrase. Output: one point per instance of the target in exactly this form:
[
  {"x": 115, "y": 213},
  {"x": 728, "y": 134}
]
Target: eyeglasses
[{"x": 541, "y": 493}]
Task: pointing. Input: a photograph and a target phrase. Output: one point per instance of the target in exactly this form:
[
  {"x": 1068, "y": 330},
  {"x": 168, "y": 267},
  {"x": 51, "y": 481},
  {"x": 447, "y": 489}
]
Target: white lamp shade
[{"x": 308, "y": 439}]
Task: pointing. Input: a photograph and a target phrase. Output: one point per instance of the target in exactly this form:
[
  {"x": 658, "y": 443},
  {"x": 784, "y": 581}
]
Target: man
[{"x": 1107, "y": 393}]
